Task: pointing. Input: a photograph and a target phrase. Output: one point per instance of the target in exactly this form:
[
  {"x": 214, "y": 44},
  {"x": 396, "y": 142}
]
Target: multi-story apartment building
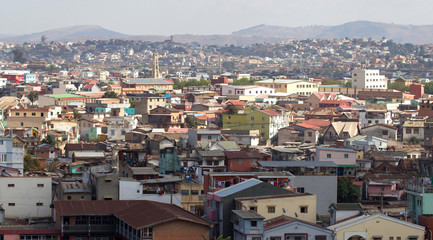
[
  {"x": 296, "y": 86},
  {"x": 11, "y": 154},
  {"x": 367, "y": 78},
  {"x": 26, "y": 197}
]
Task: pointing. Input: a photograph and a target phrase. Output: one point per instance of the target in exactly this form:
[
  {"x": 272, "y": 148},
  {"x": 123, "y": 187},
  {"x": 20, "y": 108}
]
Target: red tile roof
[
  {"x": 271, "y": 112},
  {"x": 237, "y": 102},
  {"x": 136, "y": 213}
]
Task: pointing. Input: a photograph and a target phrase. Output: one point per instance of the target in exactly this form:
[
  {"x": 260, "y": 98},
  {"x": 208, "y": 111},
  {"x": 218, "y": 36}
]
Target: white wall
[
  {"x": 133, "y": 190},
  {"x": 25, "y": 193}
]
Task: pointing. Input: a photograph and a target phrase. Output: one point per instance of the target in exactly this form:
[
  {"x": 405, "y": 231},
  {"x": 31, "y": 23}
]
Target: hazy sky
[{"x": 166, "y": 17}]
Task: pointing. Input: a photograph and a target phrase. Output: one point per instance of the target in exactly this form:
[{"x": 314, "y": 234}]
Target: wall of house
[
  {"x": 381, "y": 227},
  {"x": 300, "y": 228},
  {"x": 324, "y": 187},
  {"x": 338, "y": 157},
  {"x": 133, "y": 190},
  {"x": 12, "y": 190},
  {"x": 179, "y": 229},
  {"x": 291, "y": 205},
  {"x": 407, "y": 135},
  {"x": 345, "y": 214},
  {"x": 378, "y": 132},
  {"x": 10, "y": 155}
]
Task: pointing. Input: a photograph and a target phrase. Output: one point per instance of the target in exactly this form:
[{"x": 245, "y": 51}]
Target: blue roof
[{"x": 237, "y": 187}]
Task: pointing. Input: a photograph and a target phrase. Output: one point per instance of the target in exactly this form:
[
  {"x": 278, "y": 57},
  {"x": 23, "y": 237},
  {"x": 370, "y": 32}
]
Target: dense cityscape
[{"x": 326, "y": 139}]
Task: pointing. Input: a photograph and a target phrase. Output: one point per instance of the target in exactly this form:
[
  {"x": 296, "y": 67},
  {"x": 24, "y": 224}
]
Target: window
[
  {"x": 271, "y": 209},
  {"x": 320, "y": 237},
  {"x": 194, "y": 192},
  {"x": 11, "y": 204},
  {"x": 11, "y": 185},
  {"x": 22, "y": 124},
  {"x": 385, "y": 132},
  {"x": 346, "y": 155},
  {"x": 275, "y": 238},
  {"x": 82, "y": 197},
  {"x": 253, "y": 223},
  {"x": 303, "y": 209},
  {"x": 416, "y": 131},
  {"x": 300, "y": 190},
  {"x": 42, "y": 114},
  {"x": 377, "y": 238},
  {"x": 391, "y": 238},
  {"x": 39, "y": 204},
  {"x": 184, "y": 192},
  {"x": 17, "y": 114},
  {"x": 328, "y": 155},
  {"x": 252, "y": 118},
  {"x": 33, "y": 114},
  {"x": 239, "y": 161},
  {"x": 398, "y": 238},
  {"x": 69, "y": 198},
  {"x": 413, "y": 237},
  {"x": 256, "y": 238},
  {"x": 408, "y": 131},
  {"x": 253, "y": 209},
  {"x": 310, "y": 134},
  {"x": 40, "y": 185}
]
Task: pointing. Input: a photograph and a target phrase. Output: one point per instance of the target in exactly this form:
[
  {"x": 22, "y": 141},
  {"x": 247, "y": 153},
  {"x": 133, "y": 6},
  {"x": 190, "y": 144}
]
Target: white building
[
  {"x": 119, "y": 126},
  {"x": 245, "y": 90},
  {"x": 130, "y": 189},
  {"x": 11, "y": 155},
  {"x": 365, "y": 78},
  {"x": 3, "y": 82},
  {"x": 25, "y": 197}
]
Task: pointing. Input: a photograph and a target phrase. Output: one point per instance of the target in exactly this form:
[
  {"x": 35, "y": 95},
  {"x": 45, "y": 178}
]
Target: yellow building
[
  {"x": 140, "y": 85},
  {"x": 377, "y": 227},
  {"x": 295, "y": 205},
  {"x": 297, "y": 86},
  {"x": 191, "y": 197}
]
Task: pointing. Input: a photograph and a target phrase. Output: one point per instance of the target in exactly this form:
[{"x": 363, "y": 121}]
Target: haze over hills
[
  {"x": 416, "y": 34},
  {"x": 73, "y": 33}
]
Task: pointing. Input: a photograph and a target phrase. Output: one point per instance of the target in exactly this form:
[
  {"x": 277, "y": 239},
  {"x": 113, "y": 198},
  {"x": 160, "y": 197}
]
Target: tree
[
  {"x": 52, "y": 69},
  {"x": 192, "y": 122},
  {"x": 244, "y": 81},
  {"x": 109, "y": 94},
  {"x": 49, "y": 140},
  {"x": 414, "y": 140},
  {"x": 31, "y": 163},
  {"x": 33, "y": 97},
  {"x": 43, "y": 39},
  {"x": 232, "y": 110},
  {"x": 331, "y": 82},
  {"x": 19, "y": 56},
  {"x": 398, "y": 86},
  {"x": 347, "y": 192},
  {"x": 348, "y": 84},
  {"x": 429, "y": 88}
]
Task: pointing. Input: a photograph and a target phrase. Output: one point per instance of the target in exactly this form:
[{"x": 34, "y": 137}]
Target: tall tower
[{"x": 155, "y": 66}]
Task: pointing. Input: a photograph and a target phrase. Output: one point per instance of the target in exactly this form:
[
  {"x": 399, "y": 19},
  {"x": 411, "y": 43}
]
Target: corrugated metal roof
[
  {"x": 297, "y": 164},
  {"x": 237, "y": 187},
  {"x": 247, "y": 214},
  {"x": 212, "y": 153},
  {"x": 143, "y": 171}
]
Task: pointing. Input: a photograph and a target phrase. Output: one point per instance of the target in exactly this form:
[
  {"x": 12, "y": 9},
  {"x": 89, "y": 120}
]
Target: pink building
[{"x": 390, "y": 189}]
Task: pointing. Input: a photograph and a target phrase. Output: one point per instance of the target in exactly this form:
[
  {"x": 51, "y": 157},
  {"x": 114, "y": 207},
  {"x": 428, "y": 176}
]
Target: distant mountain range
[{"x": 416, "y": 34}]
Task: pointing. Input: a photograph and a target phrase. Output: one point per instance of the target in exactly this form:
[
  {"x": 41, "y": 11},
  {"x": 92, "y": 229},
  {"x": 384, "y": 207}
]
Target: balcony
[
  {"x": 418, "y": 188},
  {"x": 109, "y": 228}
]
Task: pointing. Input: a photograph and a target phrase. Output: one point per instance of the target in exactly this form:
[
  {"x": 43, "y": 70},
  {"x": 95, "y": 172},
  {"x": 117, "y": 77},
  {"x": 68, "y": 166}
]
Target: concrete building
[
  {"x": 26, "y": 197},
  {"x": 342, "y": 211},
  {"x": 11, "y": 154},
  {"x": 377, "y": 226},
  {"x": 229, "y": 90},
  {"x": 366, "y": 78},
  {"x": 296, "y": 86},
  {"x": 301, "y": 206}
]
